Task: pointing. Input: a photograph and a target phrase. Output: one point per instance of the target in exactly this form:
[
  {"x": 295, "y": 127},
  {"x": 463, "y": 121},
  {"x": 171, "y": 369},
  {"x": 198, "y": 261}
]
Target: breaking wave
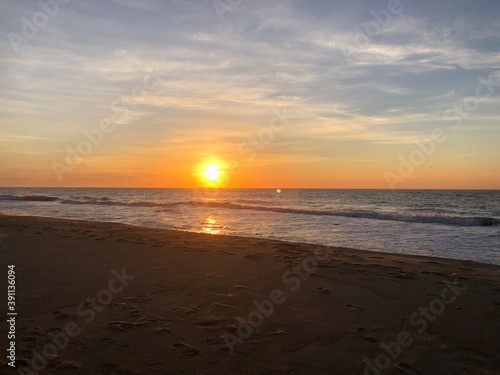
[
  {"x": 257, "y": 206},
  {"x": 32, "y": 198}
]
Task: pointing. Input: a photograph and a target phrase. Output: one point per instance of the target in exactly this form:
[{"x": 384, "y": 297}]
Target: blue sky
[{"x": 357, "y": 107}]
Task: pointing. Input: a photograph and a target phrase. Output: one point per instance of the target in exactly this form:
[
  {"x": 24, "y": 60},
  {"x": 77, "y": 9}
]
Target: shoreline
[
  {"x": 248, "y": 238},
  {"x": 100, "y": 297}
]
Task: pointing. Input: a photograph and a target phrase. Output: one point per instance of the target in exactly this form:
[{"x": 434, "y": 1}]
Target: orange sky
[{"x": 284, "y": 91}]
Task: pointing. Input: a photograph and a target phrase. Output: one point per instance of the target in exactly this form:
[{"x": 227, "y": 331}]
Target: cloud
[{"x": 230, "y": 74}]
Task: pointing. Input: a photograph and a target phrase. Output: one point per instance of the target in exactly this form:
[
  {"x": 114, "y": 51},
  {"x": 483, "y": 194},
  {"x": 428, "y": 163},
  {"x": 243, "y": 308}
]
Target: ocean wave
[
  {"x": 364, "y": 214},
  {"x": 90, "y": 198},
  {"x": 6, "y": 197},
  {"x": 32, "y": 198},
  {"x": 253, "y": 201},
  {"x": 39, "y": 198},
  {"x": 109, "y": 202}
]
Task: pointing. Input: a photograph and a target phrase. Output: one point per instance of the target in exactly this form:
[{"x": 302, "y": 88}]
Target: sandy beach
[{"x": 103, "y": 298}]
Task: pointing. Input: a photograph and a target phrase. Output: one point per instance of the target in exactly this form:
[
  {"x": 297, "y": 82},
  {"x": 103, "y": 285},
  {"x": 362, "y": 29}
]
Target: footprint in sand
[
  {"x": 406, "y": 369},
  {"x": 138, "y": 299},
  {"x": 162, "y": 329},
  {"x": 403, "y": 275},
  {"x": 325, "y": 291},
  {"x": 109, "y": 367},
  {"x": 27, "y": 339},
  {"x": 254, "y": 256},
  {"x": 240, "y": 287},
  {"x": 34, "y": 332},
  {"x": 279, "y": 371},
  {"x": 213, "y": 341},
  {"x": 185, "y": 311},
  {"x": 22, "y": 361},
  {"x": 68, "y": 365},
  {"x": 226, "y": 252},
  {"x": 159, "y": 366},
  {"x": 185, "y": 350},
  {"x": 362, "y": 277},
  {"x": 213, "y": 323},
  {"x": 223, "y": 348},
  {"x": 276, "y": 332},
  {"x": 110, "y": 341},
  {"x": 134, "y": 313},
  {"x": 60, "y": 315},
  {"x": 358, "y": 310},
  {"x": 114, "y": 369},
  {"x": 28, "y": 342},
  {"x": 124, "y": 326},
  {"x": 80, "y": 346}
]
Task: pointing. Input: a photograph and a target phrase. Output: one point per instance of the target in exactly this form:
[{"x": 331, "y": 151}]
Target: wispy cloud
[{"x": 226, "y": 76}]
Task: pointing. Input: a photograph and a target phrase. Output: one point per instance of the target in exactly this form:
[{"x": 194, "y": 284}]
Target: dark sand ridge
[{"x": 189, "y": 289}]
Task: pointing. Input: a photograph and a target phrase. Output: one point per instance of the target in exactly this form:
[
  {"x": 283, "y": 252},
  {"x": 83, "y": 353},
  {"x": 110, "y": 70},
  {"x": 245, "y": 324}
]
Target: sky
[{"x": 399, "y": 94}]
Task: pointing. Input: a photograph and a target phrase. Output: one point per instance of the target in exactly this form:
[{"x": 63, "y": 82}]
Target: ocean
[{"x": 457, "y": 224}]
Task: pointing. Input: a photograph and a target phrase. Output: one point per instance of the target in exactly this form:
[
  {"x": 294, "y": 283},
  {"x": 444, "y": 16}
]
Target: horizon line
[{"x": 239, "y": 188}]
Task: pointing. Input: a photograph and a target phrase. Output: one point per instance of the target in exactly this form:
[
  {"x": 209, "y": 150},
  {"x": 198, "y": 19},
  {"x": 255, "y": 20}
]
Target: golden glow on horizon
[{"x": 450, "y": 171}]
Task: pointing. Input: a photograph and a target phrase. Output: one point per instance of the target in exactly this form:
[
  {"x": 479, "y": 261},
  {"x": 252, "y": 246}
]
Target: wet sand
[{"x": 103, "y": 298}]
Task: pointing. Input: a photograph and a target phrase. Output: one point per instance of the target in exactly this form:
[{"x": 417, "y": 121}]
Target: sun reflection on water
[{"x": 211, "y": 226}]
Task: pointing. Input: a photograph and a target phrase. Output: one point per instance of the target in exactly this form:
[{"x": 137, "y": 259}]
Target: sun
[{"x": 211, "y": 172}]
